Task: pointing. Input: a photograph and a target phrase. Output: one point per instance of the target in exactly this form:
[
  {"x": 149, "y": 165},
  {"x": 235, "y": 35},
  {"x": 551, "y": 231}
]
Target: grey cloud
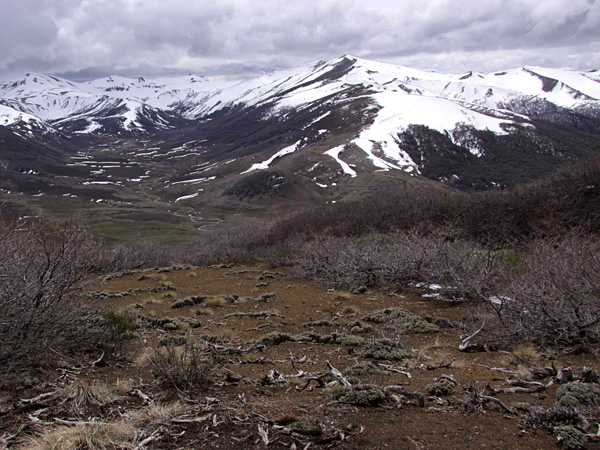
[
  {"x": 25, "y": 33},
  {"x": 234, "y": 36}
]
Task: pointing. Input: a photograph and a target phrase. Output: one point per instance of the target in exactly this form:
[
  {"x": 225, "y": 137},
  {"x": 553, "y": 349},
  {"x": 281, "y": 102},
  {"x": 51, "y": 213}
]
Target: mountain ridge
[{"x": 336, "y": 122}]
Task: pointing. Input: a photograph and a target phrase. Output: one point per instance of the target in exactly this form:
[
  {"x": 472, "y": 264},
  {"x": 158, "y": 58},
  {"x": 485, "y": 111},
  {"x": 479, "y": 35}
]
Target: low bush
[
  {"x": 402, "y": 321},
  {"x": 577, "y": 394},
  {"x": 569, "y": 437},
  {"x": 363, "y": 368},
  {"x": 257, "y": 184},
  {"x": 384, "y": 349},
  {"x": 441, "y": 388},
  {"x": 183, "y": 368},
  {"x": 118, "y": 327},
  {"x": 554, "y": 297},
  {"x": 362, "y": 395}
]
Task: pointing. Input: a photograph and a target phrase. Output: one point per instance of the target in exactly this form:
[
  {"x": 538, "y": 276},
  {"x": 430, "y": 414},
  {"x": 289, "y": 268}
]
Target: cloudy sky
[{"x": 89, "y": 38}]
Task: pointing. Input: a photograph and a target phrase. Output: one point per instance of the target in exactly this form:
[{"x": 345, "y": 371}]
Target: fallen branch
[
  {"x": 273, "y": 377},
  {"x": 332, "y": 373},
  {"x": 223, "y": 349},
  {"x": 158, "y": 434},
  {"x": 193, "y": 420},
  {"x": 500, "y": 369},
  {"x": 266, "y": 325},
  {"x": 392, "y": 368},
  {"x": 594, "y": 437},
  {"x": 137, "y": 393},
  {"x": 465, "y": 344},
  {"x": 477, "y": 400},
  {"x": 264, "y": 435},
  {"x": 412, "y": 395},
  {"x": 338, "y": 375},
  {"x": 78, "y": 422},
  {"x": 27, "y": 401}
]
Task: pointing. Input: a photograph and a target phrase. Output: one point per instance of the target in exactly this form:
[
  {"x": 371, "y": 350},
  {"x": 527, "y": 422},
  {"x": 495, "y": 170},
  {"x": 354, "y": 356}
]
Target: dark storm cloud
[{"x": 235, "y": 36}]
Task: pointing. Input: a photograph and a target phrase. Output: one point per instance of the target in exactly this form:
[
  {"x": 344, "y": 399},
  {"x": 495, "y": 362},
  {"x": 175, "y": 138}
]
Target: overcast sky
[{"x": 91, "y": 38}]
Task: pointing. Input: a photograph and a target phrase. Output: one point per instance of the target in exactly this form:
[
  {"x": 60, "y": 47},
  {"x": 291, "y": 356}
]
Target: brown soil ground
[{"x": 240, "y": 401}]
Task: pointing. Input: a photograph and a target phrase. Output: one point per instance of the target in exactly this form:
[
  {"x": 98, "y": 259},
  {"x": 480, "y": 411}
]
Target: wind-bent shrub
[
  {"x": 41, "y": 265},
  {"x": 554, "y": 297}
]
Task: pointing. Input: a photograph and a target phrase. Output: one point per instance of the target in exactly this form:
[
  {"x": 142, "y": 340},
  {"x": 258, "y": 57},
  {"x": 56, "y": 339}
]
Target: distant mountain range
[{"x": 321, "y": 125}]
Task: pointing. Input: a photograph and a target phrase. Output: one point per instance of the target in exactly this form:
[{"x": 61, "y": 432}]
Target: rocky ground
[{"x": 250, "y": 357}]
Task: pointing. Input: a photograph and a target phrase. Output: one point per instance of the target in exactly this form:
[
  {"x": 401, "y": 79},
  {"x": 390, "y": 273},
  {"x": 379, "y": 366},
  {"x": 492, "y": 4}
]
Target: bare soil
[{"x": 241, "y": 401}]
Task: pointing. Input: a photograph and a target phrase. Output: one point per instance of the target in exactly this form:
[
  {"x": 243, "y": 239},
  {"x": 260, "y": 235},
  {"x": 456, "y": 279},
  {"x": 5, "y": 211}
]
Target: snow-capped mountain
[
  {"x": 108, "y": 105},
  {"x": 12, "y": 118},
  {"x": 436, "y": 100},
  {"x": 361, "y": 115}
]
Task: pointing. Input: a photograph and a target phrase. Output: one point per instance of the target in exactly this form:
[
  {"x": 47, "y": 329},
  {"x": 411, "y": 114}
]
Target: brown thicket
[
  {"x": 533, "y": 249},
  {"x": 40, "y": 268}
]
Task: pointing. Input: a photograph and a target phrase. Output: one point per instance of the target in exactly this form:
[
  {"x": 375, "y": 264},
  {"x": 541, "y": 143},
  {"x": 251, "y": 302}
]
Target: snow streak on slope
[
  {"x": 335, "y": 154},
  {"x": 397, "y": 97},
  {"x": 265, "y": 164}
]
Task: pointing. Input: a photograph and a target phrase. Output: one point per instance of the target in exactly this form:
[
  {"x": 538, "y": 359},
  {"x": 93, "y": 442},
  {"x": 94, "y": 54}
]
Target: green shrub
[
  {"x": 255, "y": 314},
  {"x": 521, "y": 406},
  {"x": 258, "y": 184},
  {"x": 441, "y": 388},
  {"x": 362, "y": 395},
  {"x": 578, "y": 394},
  {"x": 402, "y": 321},
  {"x": 189, "y": 301},
  {"x": 276, "y": 338},
  {"x": 119, "y": 326},
  {"x": 569, "y": 437},
  {"x": 348, "y": 340},
  {"x": 170, "y": 323},
  {"x": 359, "y": 327},
  {"x": 383, "y": 349},
  {"x": 320, "y": 323},
  {"x": 363, "y": 368}
]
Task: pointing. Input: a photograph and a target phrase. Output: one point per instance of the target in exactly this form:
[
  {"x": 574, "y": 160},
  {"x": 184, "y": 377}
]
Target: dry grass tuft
[
  {"x": 85, "y": 435},
  {"x": 214, "y": 302},
  {"x": 183, "y": 368},
  {"x": 351, "y": 310},
  {"x": 83, "y": 396},
  {"x": 156, "y": 414},
  {"x": 343, "y": 296},
  {"x": 526, "y": 355},
  {"x": 123, "y": 385},
  {"x": 122, "y": 434}
]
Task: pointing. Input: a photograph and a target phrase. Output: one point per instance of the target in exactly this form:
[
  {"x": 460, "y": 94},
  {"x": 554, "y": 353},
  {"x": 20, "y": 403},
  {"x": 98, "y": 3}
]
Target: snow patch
[
  {"x": 186, "y": 197},
  {"x": 335, "y": 154},
  {"x": 265, "y": 164}
]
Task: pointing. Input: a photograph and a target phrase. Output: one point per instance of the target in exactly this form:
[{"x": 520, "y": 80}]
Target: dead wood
[
  {"x": 158, "y": 434},
  {"x": 137, "y": 393},
  {"x": 418, "y": 396},
  {"x": 225, "y": 350},
  {"x": 321, "y": 376},
  {"x": 392, "y": 368},
  {"x": 465, "y": 344},
  {"x": 476, "y": 400},
  {"x": 273, "y": 377},
  {"x": 264, "y": 435}
]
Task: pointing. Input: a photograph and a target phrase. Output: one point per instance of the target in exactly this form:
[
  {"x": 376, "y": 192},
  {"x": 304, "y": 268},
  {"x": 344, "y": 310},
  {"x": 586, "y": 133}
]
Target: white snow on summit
[{"x": 400, "y": 97}]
